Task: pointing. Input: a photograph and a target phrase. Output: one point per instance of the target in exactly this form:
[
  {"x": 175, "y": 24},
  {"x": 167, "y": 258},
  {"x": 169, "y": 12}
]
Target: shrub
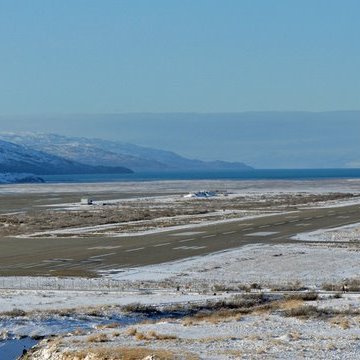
[
  {"x": 15, "y": 313},
  {"x": 308, "y": 312},
  {"x": 98, "y": 338},
  {"x": 305, "y": 296}
]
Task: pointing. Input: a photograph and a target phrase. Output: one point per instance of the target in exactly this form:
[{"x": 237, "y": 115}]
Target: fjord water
[
  {"x": 13, "y": 349},
  {"x": 261, "y": 174}
]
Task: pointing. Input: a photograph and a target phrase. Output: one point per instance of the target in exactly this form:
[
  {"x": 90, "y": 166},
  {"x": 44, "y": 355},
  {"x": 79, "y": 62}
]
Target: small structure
[
  {"x": 201, "y": 194},
  {"x": 86, "y": 201}
]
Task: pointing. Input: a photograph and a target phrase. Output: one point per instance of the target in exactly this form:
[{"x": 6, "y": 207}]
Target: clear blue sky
[{"x": 110, "y": 56}]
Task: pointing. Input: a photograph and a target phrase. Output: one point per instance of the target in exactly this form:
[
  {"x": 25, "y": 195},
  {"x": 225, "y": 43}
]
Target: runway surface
[{"x": 82, "y": 256}]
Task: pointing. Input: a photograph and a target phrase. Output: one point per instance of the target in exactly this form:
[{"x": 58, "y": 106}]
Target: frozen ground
[
  {"x": 310, "y": 265},
  {"x": 255, "y": 335},
  {"x": 349, "y": 233},
  {"x": 278, "y": 331},
  {"x": 313, "y": 186},
  {"x": 261, "y": 334}
]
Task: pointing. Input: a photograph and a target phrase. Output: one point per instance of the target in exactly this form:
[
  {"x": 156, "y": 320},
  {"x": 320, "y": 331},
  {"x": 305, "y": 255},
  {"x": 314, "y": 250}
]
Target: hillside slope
[
  {"x": 114, "y": 153},
  {"x": 16, "y": 158}
]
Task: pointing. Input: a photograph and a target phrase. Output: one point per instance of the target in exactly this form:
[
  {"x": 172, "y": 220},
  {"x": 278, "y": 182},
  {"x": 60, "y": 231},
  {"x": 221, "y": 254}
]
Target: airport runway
[{"x": 81, "y": 256}]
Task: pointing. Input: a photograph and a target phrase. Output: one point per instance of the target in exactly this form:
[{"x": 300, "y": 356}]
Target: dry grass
[
  {"x": 287, "y": 304},
  {"x": 212, "y": 317},
  {"x": 341, "y": 322},
  {"x": 126, "y": 353},
  {"x": 79, "y": 332},
  {"x": 353, "y": 285},
  {"x": 131, "y": 331},
  {"x": 306, "y": 312},
  {"x": 290, "y": 286},
  {"x": 153, "y": 335},
  {"x": 256, "y": 304},
  {"x": 304, "y": 296},
  {"x": 140, "y": 308},
  {"x": 294, "y": 335},
  {"x": 95, "y": 338},
  {"x": 238, "y": 354},
  {"x": 107, "y": 326},
  {"x": 14, "y": 313}
]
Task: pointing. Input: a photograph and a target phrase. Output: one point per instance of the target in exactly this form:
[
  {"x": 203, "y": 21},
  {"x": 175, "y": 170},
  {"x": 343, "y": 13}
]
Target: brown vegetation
[
  {"x": 126, "y": 353},
  {"x": 97, "y": 338}
]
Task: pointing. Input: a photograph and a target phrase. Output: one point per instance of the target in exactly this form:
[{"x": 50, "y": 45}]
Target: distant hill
[
  {"x": 19, "y": 178},
  {"x": 98, "y": 152},
  {"x": 15, "y": 158}
]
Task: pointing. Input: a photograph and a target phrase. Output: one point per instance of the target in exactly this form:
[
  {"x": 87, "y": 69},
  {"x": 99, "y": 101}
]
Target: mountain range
[
  {"x": 46, "y": 154},
  {"x": 16, "y": 158}
]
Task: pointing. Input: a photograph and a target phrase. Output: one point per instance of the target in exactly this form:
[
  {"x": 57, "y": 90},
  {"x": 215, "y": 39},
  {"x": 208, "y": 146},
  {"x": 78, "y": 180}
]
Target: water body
[
  {"x": 271, "y": 174},
  {"x": 12, "y": 349},
  {"x": 20, "y": 329}
]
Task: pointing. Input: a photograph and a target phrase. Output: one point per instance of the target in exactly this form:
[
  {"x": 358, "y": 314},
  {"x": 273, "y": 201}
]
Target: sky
[
  {"x": 189, "y": 76},
  {"x": 209, "y": 56}
]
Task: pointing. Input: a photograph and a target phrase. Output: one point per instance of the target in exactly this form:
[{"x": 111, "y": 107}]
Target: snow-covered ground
[
  {"x": 333, "y": 260},
  {"x": 255, "y": 186},
  {"x": 256, "y": 335},
  {"x": 348, "y": 233},
  {"x": 262, "y": 334},
  {"x": 197, "y": 278}
]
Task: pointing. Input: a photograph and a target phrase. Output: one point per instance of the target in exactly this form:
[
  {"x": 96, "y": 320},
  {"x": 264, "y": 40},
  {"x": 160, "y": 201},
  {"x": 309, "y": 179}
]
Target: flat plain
[
  {"x": 53, "y": 234},
  {"x": 256, "y": 271}
]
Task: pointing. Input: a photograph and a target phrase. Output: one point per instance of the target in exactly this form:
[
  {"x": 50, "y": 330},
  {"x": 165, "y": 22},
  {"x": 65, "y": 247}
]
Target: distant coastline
[{"x": 254, "y": 174}]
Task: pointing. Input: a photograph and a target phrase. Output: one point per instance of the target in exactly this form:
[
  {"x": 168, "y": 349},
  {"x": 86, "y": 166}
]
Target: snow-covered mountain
[
  {"x": 15, "y": 158},
  {"x": 113, "y": 153},
  {"x": 9, "y": 178}
]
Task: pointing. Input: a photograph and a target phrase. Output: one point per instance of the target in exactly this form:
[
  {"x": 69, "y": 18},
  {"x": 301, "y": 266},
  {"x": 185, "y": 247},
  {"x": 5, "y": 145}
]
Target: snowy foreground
[
  {"x": 262, "y": 333},
  {"x": 280, "y": 301}
]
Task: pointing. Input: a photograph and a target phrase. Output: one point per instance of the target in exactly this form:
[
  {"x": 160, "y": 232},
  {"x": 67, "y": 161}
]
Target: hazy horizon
[{"x": 260, "y": 139}]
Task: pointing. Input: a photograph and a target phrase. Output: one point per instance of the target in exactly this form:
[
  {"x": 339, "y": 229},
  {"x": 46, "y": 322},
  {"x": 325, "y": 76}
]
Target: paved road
[{"x": 73, "y": 256}]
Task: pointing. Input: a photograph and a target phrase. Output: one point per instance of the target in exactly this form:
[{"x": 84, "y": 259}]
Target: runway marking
[
  {"x": 104, "y": 247},
  {"x": 263, "y": 233},
  {"x": 305, "y": 224},
  {"x": 293, "y": 221},
  {"x": 343, "y": 217},
  {"x": 229, "y": 232},
  {"x": 188, "y": 233},
  {"x": 32, "y": 265},
  {"x": 280, "y": 223},
  {"x": 208, "y": 236},
  {"x": 102, "y": 255},
  {"x": 245, "y": 224},
  {"x": 264, "y": 226},
  {"x": 91, "y": 261},
  {"x": 308, "y": 218},
  {"x": 163, "y": 244},
  {"x": 137, "y": 249},
  {"x": 186, "y": 240},
  {"x": 189, "y": 247},
  {"x": 247, "y": 229}
]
